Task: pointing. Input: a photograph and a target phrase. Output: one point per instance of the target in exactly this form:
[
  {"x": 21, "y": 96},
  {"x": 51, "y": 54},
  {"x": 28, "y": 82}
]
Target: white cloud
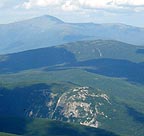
[
  {"x": 70, "y": 6},
  {"x": 41, "y": 3},
  {"x": 135, "y": 5}
]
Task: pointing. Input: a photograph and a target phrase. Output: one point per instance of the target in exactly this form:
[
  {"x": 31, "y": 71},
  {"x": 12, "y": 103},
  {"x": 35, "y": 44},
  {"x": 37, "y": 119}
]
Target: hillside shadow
[
  {"x": 133, "y": 72},
  {"x": 18, "y": 101},
  {"x": 44, "y": 127},
  {"x": 137, "y": 116},
  {"x": 13, "y": 125},
  {"x": 141, "y": 51},
  {"x": 36, "y": 59}
]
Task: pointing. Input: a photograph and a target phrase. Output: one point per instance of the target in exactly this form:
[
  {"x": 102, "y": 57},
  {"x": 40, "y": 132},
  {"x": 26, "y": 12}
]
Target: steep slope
[{"x": 47, "y": 31}]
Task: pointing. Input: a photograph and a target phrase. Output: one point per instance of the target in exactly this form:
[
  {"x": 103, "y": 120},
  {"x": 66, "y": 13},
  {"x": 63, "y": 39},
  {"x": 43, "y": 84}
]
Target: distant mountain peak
[{"x": 49, "y": 18}]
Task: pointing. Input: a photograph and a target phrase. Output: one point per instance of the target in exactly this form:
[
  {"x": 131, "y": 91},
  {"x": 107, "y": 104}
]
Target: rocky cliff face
[{"x": 82, "y": 105}]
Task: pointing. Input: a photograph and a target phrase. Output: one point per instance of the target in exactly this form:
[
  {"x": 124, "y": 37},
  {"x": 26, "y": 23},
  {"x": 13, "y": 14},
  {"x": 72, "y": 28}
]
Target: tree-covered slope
[
  {"x": 6, "y": 134},
  {"x": 93, "y": 83},
  {"x": 108, "y": 103},
  {"x": 45, "y": 127}
]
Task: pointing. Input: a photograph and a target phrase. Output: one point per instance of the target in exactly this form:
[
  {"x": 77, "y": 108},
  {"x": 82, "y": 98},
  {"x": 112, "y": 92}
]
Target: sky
[{"x": 129, "y": 12}]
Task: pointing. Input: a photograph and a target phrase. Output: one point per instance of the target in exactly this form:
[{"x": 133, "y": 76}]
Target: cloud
[
  {"x": 71, "y": 5},
  {"x": 41, "y": 3}
]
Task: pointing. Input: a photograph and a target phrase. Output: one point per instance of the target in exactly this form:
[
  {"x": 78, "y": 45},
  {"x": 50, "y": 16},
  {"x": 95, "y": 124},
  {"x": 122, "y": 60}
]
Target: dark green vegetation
[
  {"x": 109, "y": 49},
  {"x": 109, "y": 58},
  {"x": 45, "y": 127},
  {"x": 6, "y": 134},
  {"x": 52, "y": 83},
  {"x": 35, "y": 59}
]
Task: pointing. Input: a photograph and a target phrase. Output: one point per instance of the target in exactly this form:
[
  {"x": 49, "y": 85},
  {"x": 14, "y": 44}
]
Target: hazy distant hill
[{"x": 47, "y": 31}]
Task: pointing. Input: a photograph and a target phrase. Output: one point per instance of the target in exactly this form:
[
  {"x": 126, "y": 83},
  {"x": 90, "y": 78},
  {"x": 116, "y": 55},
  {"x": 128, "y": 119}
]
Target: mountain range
[
  {"x": 97, "y": 84},
  {"x": 45, "y": 31},
  {"x": 71, "y": 79}
]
